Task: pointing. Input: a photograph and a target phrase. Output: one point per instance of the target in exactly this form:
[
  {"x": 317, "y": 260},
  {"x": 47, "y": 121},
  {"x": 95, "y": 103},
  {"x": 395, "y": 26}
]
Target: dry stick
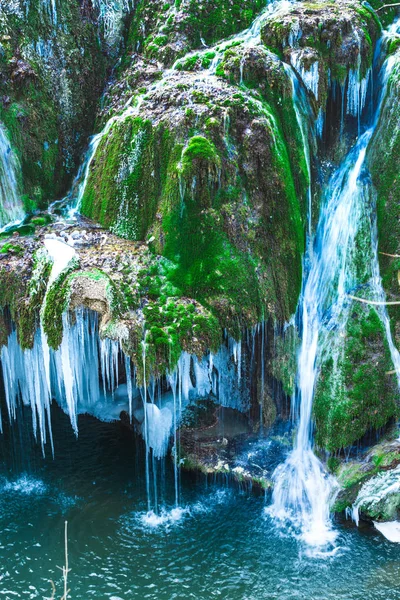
[
  {"x": 65, "y": 569},
  {"x": 387, "y": 6},
  {"x": 391, "y": 255},
  {"x": 374, "y": 302},
  {"x": 53, "y": 588}
]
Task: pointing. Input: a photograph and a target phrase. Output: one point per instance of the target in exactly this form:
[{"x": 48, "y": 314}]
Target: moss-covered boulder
[
  {"x": 170, "y": 30},
  {"x": 206, "y": 173},
  {"x": 52, "y": 71},
  {"x": 354, "y": 474},
  {"x": 355, "y": 392},
  {"x": 326, "y": 42},
  {"x": 125, "y": 283}
]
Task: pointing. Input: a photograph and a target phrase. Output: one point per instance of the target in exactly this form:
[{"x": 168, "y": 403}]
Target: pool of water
[{"x": 219, "y": 544}]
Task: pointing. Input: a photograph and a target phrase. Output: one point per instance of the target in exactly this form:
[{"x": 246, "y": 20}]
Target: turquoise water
[{"x": 221, "y": 544}]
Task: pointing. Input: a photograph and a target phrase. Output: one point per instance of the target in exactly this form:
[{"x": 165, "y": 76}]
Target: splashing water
[{"x": 303, "y": 491}]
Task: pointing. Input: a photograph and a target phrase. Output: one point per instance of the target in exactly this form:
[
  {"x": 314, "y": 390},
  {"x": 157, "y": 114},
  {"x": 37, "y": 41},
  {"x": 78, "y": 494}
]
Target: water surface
[{"x": 219, "y": 545}]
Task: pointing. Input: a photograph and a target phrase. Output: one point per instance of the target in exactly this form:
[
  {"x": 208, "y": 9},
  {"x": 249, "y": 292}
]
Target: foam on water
[
  {"x": 25, "y": 485},
  {"x": 391, "y": 530},
  {"x": 166, "y": 518}
]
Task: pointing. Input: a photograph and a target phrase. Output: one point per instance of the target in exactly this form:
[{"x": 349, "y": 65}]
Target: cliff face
[
  {"x": 211, "y": 155},
  {"x": 52, "y": 72}
]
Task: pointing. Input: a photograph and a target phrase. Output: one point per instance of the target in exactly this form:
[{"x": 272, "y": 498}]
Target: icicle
[
  {"x": 310, "y": 76},
  {"x": 173, "y": 379},
  {"x": 357, "y": 91},
  {"x": 129, "y": 385},
  {"x": 70, "y": 374}
]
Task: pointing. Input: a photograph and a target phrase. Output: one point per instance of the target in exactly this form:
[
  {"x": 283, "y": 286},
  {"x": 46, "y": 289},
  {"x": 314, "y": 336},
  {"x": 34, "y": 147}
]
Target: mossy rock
[
  {"x": 209, "y": 179},
  {"x": 51, "y": 76},
  {"x": 384, "y": 162},
  {"x": 335, "y": 36},
  {"x": 354, "y": 394}
]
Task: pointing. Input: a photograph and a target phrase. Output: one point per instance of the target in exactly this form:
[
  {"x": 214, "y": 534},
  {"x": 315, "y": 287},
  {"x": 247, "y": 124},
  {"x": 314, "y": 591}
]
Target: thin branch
[
  {"x": 374, "y": 302},
  {"x": 391, "y": 255},
  {"x": 387, "y": 6},
  {"x": 65, "y": 569},
  {"x": 53, "y": 587}
]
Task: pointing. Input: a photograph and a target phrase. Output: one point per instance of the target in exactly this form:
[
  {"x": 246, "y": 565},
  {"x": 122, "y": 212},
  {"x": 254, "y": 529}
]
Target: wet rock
[{"x": 324, "y": 42}]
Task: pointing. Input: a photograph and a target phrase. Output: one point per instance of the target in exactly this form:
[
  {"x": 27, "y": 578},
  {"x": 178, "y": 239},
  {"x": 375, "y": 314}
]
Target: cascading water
[
  {"x": 303, "y": 491},
  {"x": 11, "y": 209}
]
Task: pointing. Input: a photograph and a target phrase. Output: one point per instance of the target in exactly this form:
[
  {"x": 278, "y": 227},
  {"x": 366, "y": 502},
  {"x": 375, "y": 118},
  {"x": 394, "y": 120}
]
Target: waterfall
[
  {"x": 10, "y": 202},
  {"x": 303, "y": 491}
]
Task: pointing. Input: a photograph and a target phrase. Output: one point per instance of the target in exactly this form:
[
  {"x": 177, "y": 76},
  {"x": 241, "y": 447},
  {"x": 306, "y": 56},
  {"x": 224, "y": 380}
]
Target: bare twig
[
  {"x": 386, "y": 253},
  {"x": 65, "y": 570},
  {"x": 53, "y": 590},
  {"x": 387, "y": 6},
  {"x": 374, "y": 302}
]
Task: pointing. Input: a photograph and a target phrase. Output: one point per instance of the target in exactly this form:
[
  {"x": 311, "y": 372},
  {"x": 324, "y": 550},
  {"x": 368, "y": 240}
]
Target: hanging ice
[
  {"x": 357, "y": 91},
  {"x": 310, "y": 75},
  {"x": 69, "y": 374}
]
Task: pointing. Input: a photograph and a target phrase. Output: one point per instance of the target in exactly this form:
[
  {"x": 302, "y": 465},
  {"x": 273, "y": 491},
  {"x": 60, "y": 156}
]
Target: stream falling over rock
[{"x": 199, "y": 290}]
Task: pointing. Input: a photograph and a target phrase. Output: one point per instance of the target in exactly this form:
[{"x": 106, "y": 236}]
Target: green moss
[
  {"x": 9, "y": 247},
  {"x": 354, "y": 395},
  {"x": 384, "y": 161},
  {"x": 24, "y": 299},
  {"x": 170, "y": 326},
  {"x": 57, "y": 298},
  {"x": 198, "y": 151},
  {"x": 124, "y": 186},
  {"x": 49, "y": 110}
]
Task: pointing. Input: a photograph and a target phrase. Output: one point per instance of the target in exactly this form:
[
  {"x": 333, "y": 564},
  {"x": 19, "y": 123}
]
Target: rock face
[
  {"x": 52, "y": 71},
  {"x": 371, "y": 485},
  {"x": 327, "y": 43},
  {"x": 384, "y": 164},
  {"x": 168, "y": 32},
  {"x": 355, "y": 394},
  {"x": 208, "y": 178}
]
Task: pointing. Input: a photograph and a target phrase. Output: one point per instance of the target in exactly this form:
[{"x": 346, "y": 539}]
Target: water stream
[
  {"x": 11, "y": 210},
  {"x": 303, "y": 491}
]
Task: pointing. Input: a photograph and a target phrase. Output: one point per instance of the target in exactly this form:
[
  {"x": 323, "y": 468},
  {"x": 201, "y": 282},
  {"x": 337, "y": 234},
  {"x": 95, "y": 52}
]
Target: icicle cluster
[
  {"x": 70, "y": 374},
  {"x": 111, "y": 14},
  {"x": 309, "y": 76}
]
